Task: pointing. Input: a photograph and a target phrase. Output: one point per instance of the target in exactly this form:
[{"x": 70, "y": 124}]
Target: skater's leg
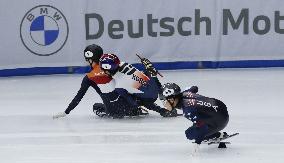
[{"x": 196, "y": 133}]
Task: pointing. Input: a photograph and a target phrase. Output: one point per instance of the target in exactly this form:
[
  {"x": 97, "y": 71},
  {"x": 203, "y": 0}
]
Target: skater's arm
[
  {"x": 193, "y": 89},
  {"x": 80, "y": 94}
]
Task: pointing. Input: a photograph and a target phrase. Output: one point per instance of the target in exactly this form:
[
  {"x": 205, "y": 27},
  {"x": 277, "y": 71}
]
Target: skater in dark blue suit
[{"x": 209, "y": 115}]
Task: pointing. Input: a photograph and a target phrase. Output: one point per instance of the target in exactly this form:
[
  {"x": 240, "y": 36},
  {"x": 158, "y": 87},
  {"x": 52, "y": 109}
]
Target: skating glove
[
  {"x": 167, "y": 113},
  {"x": 149, "y": 66}
]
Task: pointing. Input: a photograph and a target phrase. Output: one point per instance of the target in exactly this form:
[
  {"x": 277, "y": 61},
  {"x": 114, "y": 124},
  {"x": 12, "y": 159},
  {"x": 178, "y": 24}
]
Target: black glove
[
  {"x": 167, "y": 113},
  {"x": 149, "y": 66},
  {"x": 193, "y": 89},
  {"x": 137, "y": 111}
]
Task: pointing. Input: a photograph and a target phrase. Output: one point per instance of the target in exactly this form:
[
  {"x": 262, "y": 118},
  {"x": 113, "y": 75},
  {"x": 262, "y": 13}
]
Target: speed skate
[{"x": 220, "y": 141}]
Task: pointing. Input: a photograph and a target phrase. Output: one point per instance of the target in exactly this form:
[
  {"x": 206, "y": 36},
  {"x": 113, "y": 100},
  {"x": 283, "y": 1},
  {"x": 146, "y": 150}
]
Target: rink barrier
[{"x": 158, "y": 65}]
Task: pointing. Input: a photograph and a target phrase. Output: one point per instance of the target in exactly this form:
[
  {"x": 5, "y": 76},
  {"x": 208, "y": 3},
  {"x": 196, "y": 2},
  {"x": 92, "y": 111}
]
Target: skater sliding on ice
[
  {"x": 92, "y": 54},
  {"x": 123, "y": 96},
  {"x": 138, "y": 88},
  {"x": 209, "y": 115}
]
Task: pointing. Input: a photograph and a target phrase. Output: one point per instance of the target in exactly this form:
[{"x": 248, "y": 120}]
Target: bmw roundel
[{"x": 44, "y": 30}]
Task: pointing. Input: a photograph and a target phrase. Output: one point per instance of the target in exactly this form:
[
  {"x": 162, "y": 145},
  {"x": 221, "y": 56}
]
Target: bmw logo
[{"x": 44, "y": 30}]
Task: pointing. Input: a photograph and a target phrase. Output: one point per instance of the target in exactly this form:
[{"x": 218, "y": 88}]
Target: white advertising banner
[{"x": 37, "y": 33}]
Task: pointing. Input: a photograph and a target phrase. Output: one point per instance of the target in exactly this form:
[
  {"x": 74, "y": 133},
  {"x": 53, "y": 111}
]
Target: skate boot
[
  {"x": 99, "y": 109},
  {"x": 223, "y": 135},
  {"x": 215, "y": 137},
  {"x": 142, "y": 110}
]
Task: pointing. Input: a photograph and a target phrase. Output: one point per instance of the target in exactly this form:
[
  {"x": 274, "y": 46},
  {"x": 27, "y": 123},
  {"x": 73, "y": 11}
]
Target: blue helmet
[{"x": 109, "y": 62}]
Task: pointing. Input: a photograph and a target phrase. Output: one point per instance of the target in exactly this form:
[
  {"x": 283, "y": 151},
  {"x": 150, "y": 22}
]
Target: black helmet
[
  {"x": 170, "y": 90},
  {"x": 93, "y": 52}
]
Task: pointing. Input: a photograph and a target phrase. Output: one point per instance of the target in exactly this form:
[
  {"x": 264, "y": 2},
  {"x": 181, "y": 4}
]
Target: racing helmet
[
  {"x": 170, "y": 90},
  {"x": 93, "y": 52},
  {"x": 109, "y": 62}
]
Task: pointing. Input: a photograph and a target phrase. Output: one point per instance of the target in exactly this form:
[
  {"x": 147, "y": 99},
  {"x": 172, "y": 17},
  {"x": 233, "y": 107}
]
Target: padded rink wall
[{"x": 40, "y": 37}]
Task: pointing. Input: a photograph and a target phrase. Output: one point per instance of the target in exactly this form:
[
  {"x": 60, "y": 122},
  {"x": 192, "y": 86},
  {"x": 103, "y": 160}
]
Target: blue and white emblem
[{"x": 44, "y": 30}]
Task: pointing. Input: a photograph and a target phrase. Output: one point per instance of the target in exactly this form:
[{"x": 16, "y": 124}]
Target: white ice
[{"x": 28, "y": 134}]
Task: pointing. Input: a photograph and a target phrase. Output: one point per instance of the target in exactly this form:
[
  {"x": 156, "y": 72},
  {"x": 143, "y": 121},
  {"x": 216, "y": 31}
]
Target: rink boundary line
[
  {"x": 3, "y": 146},
  {"x": 159, "y": 65},
  {"x": 48, "y": 134}
]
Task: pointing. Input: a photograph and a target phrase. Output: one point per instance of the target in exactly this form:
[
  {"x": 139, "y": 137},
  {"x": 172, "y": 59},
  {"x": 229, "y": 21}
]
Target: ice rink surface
[{"x": 28, "y": 134}]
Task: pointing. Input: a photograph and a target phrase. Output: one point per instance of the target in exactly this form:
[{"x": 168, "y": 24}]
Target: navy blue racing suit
[
  {"x": 117, "y": 108},
  {"x": 138, "y": 88},
  {"x": 209, "y": 115}
]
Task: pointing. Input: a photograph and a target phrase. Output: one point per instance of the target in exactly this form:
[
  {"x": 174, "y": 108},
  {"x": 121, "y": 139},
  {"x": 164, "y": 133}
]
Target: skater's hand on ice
[{"x": 59, "y": 115}]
